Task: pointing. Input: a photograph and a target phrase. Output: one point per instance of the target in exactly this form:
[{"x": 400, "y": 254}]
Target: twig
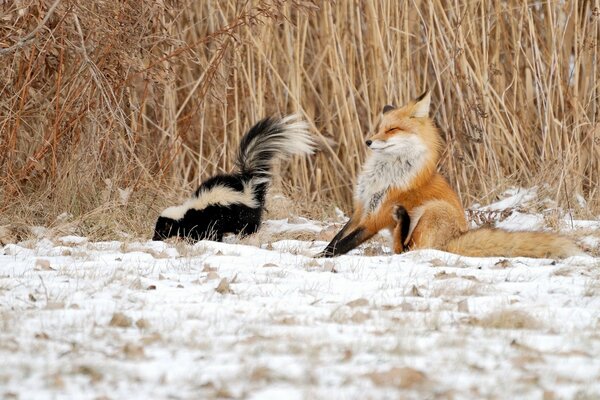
[
  {"x": 45, "y": 288},
  {"x": 29, "y": 37}
]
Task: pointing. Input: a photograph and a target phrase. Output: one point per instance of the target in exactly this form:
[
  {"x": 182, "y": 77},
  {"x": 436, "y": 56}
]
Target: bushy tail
[
  {"x": 485, "y": 242},
  {"x": 272, "y": 138}
]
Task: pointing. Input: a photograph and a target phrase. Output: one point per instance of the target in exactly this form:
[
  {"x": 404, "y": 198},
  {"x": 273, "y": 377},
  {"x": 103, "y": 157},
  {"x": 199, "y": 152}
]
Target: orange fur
[{"x": 408, "y": 137}]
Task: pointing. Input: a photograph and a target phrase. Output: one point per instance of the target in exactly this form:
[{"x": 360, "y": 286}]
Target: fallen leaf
[
  {"x": 212, "y": 275},
  {"x": 504, "y": 263},
  {"x": 42, "y": 336},
  {"x": 57, "y": 381},
  {"x": 55, "y": 305},
  {"x": 361, "y": 302},
  {"x": 92, "y": 372},
  {"x": 120, "y": 320},
  {"x": 402, "y": 377},
  {"x": 445, "y": 275},
  {"x": 549, "y": 395},
  {"x": 133, "y": 351},
  {"x": 288, "y": 320},
  {"x": 208, "y": 268},
  {"x": 153, "y": 338},
  {"x": 142, "y": 323},
  {"x": 415, "y": 292},
  {"x": 359, "y": 317},
  {"x": 43, "y": 265},
  {"x": 261, "y": 373},
  {"x": 223, "y": 287},
  {"x": 436, "y": 262}
]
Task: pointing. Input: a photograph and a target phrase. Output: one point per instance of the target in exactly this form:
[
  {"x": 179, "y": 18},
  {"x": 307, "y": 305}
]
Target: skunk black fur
[{"x": 234, "y": 203}]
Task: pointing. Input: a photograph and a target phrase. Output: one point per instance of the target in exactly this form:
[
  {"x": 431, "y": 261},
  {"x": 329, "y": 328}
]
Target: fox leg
[
  {"x": 348, "y": 242},
  {"x": 330, "y": 249},
  {"x": 341, "y": 233},
  {"x": 437, "y": 223},
  {"x": 362, "y": 231},
  {"x": 352, "y": 222},
  {"x": 400, "y": 233}
]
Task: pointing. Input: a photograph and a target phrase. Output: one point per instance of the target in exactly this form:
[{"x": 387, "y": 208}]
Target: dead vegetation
[
  {"x": 109, "y": 110},
  {"x": 509, "y": 319}
]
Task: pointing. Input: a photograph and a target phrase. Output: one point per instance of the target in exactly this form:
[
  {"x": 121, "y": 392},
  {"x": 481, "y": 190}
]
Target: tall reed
[{"x": 111, "y": 109}]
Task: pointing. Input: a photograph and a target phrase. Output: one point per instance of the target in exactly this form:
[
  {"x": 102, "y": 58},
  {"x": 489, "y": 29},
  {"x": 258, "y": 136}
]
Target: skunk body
[{"x": 234, "y": 203}]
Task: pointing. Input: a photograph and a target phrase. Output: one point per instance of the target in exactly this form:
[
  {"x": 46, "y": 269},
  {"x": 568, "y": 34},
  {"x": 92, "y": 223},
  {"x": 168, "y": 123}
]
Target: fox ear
[
  {"x": 388, "y": 108},
  {"x": 422, "y": 103}
]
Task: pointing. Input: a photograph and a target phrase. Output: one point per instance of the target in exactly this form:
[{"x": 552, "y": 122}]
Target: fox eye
[{"x": 392, "y": 130}]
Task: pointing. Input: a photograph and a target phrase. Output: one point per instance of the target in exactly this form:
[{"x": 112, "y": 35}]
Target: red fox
[{"x": 399, "y": 189}]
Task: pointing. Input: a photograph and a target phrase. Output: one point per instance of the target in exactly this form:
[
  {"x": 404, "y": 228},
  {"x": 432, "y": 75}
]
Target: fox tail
[{"x": 486, "y": 242}]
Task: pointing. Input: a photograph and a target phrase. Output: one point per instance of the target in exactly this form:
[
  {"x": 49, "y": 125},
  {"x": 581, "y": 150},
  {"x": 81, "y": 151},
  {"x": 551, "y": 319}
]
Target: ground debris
[
  {"x": 133, "y": 351},
  {"x": 223, "y": 287},
  {"x": 360, "y": 302},
  {"x": 403, "y": 377},
  {"x": 120, "y": 320},
  {"x": 43, "y": 265},
  {"x": 388, "y": 326}
]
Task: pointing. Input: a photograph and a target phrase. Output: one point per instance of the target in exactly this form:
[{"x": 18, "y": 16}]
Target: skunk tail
[{"x": 272, "y": 138}]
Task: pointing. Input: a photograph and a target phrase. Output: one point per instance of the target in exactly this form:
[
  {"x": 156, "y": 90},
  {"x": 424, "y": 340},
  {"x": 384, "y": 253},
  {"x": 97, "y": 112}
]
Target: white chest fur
[{"x": 385, "y": 170}]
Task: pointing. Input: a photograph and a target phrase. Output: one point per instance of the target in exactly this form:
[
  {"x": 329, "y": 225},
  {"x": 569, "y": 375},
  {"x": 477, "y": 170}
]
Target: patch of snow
[
  {"x": 340, "y": 215},
  {"x": 283, "y": 226},
  {"x": 581, "y": 200},
  {"x": 39, "y": 231},
  {"x": 146, "y": 319},
  {"x": 513, "y": 198},
  {"x": 72, "y": 240},
  {"x": 518, "y": 221}
]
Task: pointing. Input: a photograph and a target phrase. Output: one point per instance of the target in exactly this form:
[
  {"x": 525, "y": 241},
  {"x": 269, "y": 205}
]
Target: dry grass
[
  {"x": 509, "y": 319},
  {"x": 110, "y": 110}
]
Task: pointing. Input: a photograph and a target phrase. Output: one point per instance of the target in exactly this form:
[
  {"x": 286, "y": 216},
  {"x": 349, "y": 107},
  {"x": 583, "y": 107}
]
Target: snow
[
  {"x": 84, "y": 319},
  {"x": 283, "y": 225},
  {"x": 513, "y": 198}
]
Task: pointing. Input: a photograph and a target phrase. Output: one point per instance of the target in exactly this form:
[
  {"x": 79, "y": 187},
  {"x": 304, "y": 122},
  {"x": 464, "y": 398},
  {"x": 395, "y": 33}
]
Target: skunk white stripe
[
  {"x": 297, "y": 138},
  {"x": 217, "y": 195}
]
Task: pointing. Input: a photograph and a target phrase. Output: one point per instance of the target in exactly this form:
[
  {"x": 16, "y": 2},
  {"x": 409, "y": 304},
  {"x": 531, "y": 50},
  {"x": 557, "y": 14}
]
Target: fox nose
[{"x": 368, "y": 142}]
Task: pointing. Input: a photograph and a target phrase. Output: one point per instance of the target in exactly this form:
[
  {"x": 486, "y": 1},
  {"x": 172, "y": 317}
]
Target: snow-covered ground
[{"x": 112, "y": 320}]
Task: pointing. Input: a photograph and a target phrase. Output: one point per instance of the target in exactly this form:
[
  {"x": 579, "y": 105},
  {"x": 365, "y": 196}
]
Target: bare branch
[{"x": 30, "y": 36}]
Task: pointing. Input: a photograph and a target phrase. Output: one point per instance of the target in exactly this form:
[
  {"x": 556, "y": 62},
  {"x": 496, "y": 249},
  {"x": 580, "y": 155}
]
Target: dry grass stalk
[{"x": 151, "y": 97}]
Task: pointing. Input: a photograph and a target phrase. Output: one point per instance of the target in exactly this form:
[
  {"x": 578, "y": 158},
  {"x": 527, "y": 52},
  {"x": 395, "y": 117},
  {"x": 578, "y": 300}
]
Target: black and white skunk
[{"x": 234, "y": 203}]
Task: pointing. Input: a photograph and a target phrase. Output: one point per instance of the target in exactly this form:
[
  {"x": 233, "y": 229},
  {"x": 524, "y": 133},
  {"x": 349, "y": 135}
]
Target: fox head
[{"x": 406, "y": 131}]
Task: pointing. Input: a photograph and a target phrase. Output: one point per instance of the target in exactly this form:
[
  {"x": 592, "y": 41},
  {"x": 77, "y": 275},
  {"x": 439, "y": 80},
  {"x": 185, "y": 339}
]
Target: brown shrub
[{"x": 112, "y": 109}]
